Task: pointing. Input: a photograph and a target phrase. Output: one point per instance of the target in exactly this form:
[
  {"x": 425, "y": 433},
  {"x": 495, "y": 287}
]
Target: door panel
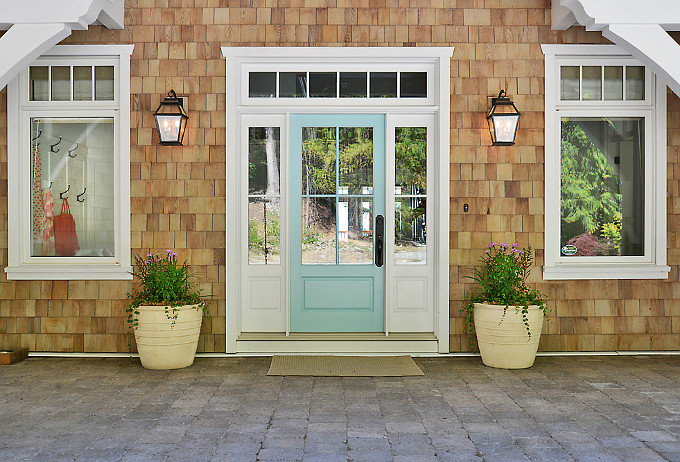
[{"x": 337, "y": 191}]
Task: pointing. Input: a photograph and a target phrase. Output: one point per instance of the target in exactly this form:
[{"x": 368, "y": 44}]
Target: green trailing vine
[{"x": 502, "y": 279}]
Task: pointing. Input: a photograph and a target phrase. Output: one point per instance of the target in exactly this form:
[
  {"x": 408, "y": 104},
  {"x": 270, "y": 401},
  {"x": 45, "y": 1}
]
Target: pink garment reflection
[{"x": 47, "y": 231}]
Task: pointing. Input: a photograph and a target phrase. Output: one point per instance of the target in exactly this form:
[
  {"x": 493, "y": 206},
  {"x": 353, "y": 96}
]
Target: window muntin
[
  {"x": 338, "y": 84},
  {"x": 602, "y": 184},
  {"x": 264, "y": 195},
  {"x": 337, "y": 195},
  {"x": 591, "y": 82},
  {"x": 410, "y": 195},
  {"x": 62, "y": 83}
]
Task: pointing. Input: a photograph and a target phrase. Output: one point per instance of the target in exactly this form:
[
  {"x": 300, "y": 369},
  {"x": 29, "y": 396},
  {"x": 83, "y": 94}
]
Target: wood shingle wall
[{"x": 178, "y": 193}]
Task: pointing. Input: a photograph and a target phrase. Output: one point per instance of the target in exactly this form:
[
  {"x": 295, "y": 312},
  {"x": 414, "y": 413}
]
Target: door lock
[{"x": 379, "y": 240}]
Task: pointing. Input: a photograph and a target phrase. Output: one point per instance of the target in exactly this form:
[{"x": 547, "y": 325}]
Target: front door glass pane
[
  {"x": 356, "y": 160},
  {"x": 355, "y": 230},
  {"x": 264, "y": 160},
  {"x": 264, "y": 230},
  {"x": 319, "y": 230},
  {"x": 602, "y": 186},
  {"x": 318, "y": 160}
]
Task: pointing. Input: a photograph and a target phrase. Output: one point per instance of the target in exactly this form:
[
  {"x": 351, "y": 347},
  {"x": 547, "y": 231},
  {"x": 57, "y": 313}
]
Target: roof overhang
[
  {"x": 35, "y": 26},
  {"x": 640, "y": 28}
]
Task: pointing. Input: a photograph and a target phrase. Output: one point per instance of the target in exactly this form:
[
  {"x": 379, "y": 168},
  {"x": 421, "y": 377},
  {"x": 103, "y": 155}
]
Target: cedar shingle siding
[{"x": 178, "y": 193}]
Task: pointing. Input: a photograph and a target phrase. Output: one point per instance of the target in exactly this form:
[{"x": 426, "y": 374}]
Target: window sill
[
  {"x": 603, "y": 271},
  {"x": 70, "y": 272}
]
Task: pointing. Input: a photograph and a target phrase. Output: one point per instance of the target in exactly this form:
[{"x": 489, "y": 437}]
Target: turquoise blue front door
[{"x": 337, "y": 194}]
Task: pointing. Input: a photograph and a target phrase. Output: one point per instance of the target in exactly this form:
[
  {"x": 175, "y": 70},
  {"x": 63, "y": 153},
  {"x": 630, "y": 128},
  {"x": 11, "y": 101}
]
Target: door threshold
[{"x": 337, "y": 336}]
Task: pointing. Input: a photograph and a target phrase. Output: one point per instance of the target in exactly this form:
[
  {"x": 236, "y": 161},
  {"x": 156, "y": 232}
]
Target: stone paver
[{"x": 564, "y": 408}]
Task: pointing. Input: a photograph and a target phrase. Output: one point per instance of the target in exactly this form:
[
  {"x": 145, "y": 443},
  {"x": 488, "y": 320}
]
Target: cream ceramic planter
[
  {"x": 162, "y": 345},
  {"x": 503, "y": 340}
]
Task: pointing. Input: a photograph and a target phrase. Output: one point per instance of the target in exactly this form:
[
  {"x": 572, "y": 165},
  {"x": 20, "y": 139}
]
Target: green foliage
[
  {"x": 256, "y": 234},
  {"x": 410, "y": 155},
  {"x": 590, "y": 189},
  {"x": 502, "y": 280},
  {"x": 163, "y": 282}
]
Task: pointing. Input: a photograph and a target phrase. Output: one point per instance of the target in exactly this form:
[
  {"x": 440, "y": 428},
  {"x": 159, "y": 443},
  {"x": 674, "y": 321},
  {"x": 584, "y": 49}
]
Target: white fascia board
[
  {"x": 77, "y": 14},
  {"x": 598, "y": 14},
  {"x": 113, "y": 16}
]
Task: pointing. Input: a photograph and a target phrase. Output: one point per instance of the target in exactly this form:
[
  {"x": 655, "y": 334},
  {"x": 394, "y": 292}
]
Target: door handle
[{"x": 379, "y": 240}]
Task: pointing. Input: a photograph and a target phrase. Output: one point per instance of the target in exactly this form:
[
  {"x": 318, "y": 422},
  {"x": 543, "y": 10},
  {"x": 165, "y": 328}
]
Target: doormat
[{"x": 344, "y": 366}]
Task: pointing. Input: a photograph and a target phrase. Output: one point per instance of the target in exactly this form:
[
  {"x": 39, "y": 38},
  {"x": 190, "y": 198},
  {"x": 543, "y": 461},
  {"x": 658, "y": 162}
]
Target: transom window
[
  {"x": 605, "y": 164},
  {"x": 337, "y": 84}
]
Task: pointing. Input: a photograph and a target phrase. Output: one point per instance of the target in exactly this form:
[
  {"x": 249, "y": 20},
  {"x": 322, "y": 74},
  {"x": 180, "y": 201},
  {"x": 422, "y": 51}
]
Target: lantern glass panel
[
  {"x": 169, "y": 127},
  {"x": 505, "y": 127}
]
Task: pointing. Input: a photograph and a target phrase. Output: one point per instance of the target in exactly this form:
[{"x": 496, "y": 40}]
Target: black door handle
[{"x": 379, "y": 240}]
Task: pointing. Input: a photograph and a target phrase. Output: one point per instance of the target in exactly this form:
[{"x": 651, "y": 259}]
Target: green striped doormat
[{"x": 344, "y": 366}]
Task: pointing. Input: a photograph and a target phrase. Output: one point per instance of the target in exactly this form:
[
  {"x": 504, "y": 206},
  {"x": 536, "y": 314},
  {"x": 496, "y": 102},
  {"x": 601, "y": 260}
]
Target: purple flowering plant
[
  {"x": 502, "y": 280},
  {"x": 163, "y": 281}
]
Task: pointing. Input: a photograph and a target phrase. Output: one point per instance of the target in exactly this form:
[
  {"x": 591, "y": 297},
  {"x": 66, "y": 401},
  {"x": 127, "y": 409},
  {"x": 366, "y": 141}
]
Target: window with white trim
[
  {"x": 605, "y": 158},
  {"x": 68, "y": 180}
]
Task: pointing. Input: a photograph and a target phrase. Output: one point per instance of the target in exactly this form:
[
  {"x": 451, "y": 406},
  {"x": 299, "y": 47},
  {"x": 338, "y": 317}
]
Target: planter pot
[
  {"x": 503, "y": 341},
  {"x": 162, "y": 345}
]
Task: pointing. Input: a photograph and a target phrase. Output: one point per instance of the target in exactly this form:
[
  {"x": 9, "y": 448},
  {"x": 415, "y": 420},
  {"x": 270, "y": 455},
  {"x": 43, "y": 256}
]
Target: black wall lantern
[
  {"x": 171, "y": 120},
  {"x": 503, "y": 119}
]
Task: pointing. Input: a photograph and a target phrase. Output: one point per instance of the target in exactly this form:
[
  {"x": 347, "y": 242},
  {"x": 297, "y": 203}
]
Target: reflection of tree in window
[
  {"x": 410, "y": 154},
  {"x": 264, "y": 223},
  {"x": 602, "y": 193}
]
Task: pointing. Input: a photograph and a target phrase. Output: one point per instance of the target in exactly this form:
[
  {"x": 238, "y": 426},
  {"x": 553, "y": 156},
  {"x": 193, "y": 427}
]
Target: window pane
[
  {"x": 355, "y": 230},
  {"x": 103, "y": 83},
  {"x": 356, "y": 160},
  {"x": 613, "y": 83},
  {"x": 318, "y": 230},
  {"x": 318, "y": 160},
  {"x": 413, "y": 84},
  {"x": 39, "y": 76},
  {"x": 602, "y": 186},
  {"x": 569, "y": 83},
  {"x": 635, "y": 83},
  {"x": 264, "y": 230},
  {"x": 262, "y": 84},
  {"x": 82, "y": 83},
  {"x": 409, "y": 230},
  {"x": 61, "y": 83},
  {"x": 264, "y": 159},
  {"x": 79, "y": 165},
  {"x": 353, "y": 84},
  {"x": 592, "y": 83},
  {"x": 323, "y": 84},
  {"x": 292, "y": 84},
  {"x": 383, "y": 84},
  {"x": 410, "y": 158}
]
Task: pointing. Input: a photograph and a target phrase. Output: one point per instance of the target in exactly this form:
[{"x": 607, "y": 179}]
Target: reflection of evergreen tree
[
  {"x": 410, "y": 156},
  {"x": 590, "y": 188}
]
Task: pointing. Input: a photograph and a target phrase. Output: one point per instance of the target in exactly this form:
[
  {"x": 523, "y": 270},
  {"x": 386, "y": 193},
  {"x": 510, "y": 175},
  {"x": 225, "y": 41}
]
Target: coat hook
[
  {"x": 36, "y": 138},
  {"x": 52, "y": 147},
  {"x": 71, "y": 150},
  {"x": 81, "y": 194},
  {"x": 61, "y": 194}
]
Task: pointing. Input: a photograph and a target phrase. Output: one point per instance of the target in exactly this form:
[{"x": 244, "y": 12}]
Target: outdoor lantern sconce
[
  {"x": 171, "y": 120},
  {"x": 503, "y": 119}
]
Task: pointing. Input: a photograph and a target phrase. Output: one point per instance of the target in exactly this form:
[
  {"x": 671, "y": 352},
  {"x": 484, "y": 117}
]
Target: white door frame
[{"x": 241, "y": 60}]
